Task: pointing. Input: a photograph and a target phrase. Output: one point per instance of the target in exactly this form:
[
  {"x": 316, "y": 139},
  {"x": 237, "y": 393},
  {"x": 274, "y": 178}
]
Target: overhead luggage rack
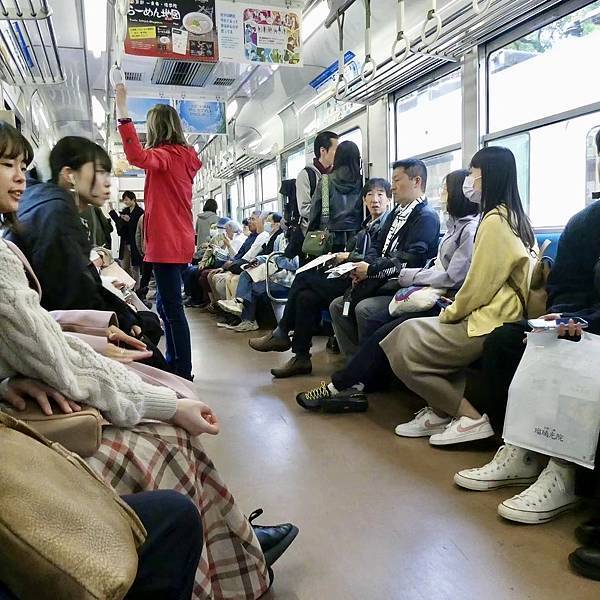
[
  {"x": 460, "y": 31},
  {"x": 28, "y": 48}
]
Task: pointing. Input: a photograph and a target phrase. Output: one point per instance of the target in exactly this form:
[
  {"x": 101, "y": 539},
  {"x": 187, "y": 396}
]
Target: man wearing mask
[{"x": 307, "y": 180}]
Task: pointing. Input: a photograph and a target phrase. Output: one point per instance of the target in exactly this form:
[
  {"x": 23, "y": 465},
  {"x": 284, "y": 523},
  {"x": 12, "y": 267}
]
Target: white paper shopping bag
[{"x": 554, "y": 399}]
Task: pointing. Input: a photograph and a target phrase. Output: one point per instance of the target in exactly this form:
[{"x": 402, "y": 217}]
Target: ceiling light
[
  {"x": 314, "y": 19},
  {"x": 95, "y": 26},
  {"x": 98, "y": 113}
]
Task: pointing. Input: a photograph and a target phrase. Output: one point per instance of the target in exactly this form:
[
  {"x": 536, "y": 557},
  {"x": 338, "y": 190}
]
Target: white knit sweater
[{"x": 33, "y": 345}]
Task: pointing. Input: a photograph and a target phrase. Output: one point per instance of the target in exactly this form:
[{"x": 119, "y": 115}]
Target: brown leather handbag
[
  {"x": 79, "y": 432},
  {"x": 64, "y": 533}
]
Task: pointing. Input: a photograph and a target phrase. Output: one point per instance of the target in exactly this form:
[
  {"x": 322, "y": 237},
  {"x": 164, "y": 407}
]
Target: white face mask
[
  {"x": 469, "y": 190},
  {"x": 268, "y": 227}
]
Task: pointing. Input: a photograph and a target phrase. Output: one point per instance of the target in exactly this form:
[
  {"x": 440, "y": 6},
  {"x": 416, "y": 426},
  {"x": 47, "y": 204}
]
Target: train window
[
  {"x": 540, "y": 74},
  {"x": 294, "y": 163},
  {"x": 354, "y": 135},
  {"x": 233, "y": 199},
  {"x": 430, "y": 118},
  {"x": 437, "y": 168},
  {"x": 218, "y": 196},
  {"x": 591, "y": 169},
  {"x": 249, "y": 190},
  {"x": 268, "y": 182}
]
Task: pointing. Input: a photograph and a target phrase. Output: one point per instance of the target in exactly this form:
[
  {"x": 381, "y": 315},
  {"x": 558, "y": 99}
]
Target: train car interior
[{"x": 359, "y": 240}]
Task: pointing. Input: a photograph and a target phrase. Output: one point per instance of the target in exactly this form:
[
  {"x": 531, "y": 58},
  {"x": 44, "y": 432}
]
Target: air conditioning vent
[
  {"x": 133, "y": 76},
  {"x": 224, "y": 81},
  {"x": 178, "y": 72}
]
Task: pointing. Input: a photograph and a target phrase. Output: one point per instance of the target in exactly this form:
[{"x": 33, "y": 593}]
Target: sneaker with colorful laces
[
  {"x": 425, "y": 424},
  {"x": 511, "y": 466},
  {"x": 245, "y": 326},
  {"x": 323, "y": 399},
  {"x": 551, "y": 495}
]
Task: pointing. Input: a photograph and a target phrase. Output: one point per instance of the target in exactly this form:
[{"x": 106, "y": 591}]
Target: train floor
[{"x": 379, "y": 516}]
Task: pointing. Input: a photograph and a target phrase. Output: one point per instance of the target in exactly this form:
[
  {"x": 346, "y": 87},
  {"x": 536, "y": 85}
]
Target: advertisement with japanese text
[
  {"x": 254, "y": 33},
  {"x": 179, "y": 29},
  {"x": 202, "y": 116}
]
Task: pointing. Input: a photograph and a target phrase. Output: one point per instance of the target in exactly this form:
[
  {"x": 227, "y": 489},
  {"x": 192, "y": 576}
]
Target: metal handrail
[{"x": 271, "y": 259}]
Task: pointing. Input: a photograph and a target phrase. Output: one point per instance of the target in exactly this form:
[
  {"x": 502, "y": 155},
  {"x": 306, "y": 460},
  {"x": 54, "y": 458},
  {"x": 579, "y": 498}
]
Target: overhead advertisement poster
[
  {"x": 254, "y": 33},
  {"x": 202, "y": 116},
  {"x": 138, "y": 109},
  {"x": 179, "y": 29}
]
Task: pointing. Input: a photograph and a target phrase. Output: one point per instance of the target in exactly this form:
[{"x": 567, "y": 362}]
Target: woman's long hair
[
  {"x": 347, "y": 155},
  {"x": 164, "y": 127},
  {"x": 459, "y": 205},
  {"x": 74, "y": 152},
  {"x": 499, "y": 187},
  {"x": 12, "y": 145}
]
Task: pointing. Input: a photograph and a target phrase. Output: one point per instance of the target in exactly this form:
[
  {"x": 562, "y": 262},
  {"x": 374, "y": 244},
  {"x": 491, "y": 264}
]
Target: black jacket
[
  {"x": 55, "y": 241},
  {"x": 361, "y": 243},
  {"x": 345, "y": 207},
  {"x": 574, "y": 282},
  {"x": 127, "y": 231},
  {"x": 417, "y": 242}
]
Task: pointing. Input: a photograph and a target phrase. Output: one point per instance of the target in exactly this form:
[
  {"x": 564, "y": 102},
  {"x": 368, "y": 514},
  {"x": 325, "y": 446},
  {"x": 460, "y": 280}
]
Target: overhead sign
[
  {"x": 138, "y": 109},
  {"x": 202, "y": 116},
  {"x": 253, "y": 33},
  {"x": 331, "y": 71},
  {"x": 178, "y": 29}
]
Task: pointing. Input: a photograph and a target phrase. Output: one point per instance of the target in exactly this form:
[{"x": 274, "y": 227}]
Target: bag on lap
[
  {"x": 64, "y": 533},
  {"x": 414, "y": 299}
]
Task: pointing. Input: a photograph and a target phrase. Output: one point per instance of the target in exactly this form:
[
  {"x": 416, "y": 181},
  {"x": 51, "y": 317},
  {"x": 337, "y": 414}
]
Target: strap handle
[{"x": 325, "y": 197}]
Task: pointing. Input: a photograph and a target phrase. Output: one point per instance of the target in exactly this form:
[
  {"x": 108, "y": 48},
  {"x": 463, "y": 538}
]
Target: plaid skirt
[{"x": 154, "y": 456}]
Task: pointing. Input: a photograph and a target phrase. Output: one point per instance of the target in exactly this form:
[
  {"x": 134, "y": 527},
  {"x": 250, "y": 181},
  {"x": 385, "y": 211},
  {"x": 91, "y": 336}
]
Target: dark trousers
[
  {"x": 370, "y": 365},
  {"x": 310, "y": 293},
  {"x": 169, "y": 558},
  {"x": 170, "y": 307},
  {"x": 147, "y": 270},
  {"x": 205, "y": 285}
]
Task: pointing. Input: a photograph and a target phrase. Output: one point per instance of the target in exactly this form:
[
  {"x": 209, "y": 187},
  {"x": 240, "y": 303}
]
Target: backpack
[
  {"x": 539, "y": 270},
  {"x": 291, "y": 213}
]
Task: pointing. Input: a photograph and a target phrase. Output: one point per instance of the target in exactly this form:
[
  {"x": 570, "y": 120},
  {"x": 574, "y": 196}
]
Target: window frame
[
  {"x": 261, "y": 168},
  {"x": 422, "y": 83},
  {"x": 286, "y": 155}
]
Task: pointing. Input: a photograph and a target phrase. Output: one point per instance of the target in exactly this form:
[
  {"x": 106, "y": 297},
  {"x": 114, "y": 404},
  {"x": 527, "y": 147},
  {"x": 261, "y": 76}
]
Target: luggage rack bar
[{"x": 28, "y": 48}]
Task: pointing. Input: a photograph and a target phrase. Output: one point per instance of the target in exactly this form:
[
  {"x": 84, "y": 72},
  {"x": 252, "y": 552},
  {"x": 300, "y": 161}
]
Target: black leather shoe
[
  {"x": 586, "y": 562},
  {"x": 332, "y": 345},
  {"x": 297, "y": 365},
  {"x": 588, "y": 533},
  {"x": 274, "y": 540},
  {"x": 321, "y": 399}
]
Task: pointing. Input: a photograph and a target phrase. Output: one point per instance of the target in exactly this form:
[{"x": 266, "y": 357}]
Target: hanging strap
[
  {"x": 369, "y": 68},
  {"x": 401, "y": 47},
  {"x": 341, "y": 87}
]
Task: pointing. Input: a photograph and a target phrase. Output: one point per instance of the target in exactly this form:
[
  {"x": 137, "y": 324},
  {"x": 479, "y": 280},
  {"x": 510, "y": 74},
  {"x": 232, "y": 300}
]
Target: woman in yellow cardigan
[{"x": 430, "y": 355}]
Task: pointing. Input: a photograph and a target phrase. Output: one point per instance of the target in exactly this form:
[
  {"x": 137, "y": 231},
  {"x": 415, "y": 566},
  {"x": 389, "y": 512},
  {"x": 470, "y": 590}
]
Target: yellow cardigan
[{"x": 486, "y": 299}]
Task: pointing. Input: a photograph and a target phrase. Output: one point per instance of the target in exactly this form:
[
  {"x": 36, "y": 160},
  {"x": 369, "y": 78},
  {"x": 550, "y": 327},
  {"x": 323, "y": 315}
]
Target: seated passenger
[
  {"x": 408, "y": 240},
  {"x": 163, "y": 455},
  {"x": 250, "y": 288},
  {"x": 429, "y": 355},
  {"x": 56, "y": 242},
  {"x": 369, "y": 370},
  {"x": 312, "y": 290},
  {"x": 345, "y": 213},
  {"x": 227, "y": 275}
]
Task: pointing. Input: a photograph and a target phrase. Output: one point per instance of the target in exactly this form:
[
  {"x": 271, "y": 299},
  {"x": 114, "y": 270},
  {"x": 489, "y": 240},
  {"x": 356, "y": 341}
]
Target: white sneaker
[
  {"x": 463, "y": 429},
  {"x": 231, "y": 306},
  {"x": 425, "y": 423},
  {"x": 245, "y": 326},
  {"x": 552, "y": 494},
  {"x": 510, "y": 466},
  {"x": 224, "y": 325}
]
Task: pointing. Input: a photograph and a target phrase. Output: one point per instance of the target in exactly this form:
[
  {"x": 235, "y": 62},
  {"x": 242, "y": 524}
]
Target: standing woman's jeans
[{"x": 170, "y": 308}]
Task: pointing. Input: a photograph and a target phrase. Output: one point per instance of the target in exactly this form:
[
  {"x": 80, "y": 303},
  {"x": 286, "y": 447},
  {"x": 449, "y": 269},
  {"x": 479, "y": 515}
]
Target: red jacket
[{"x": 168, "y": 222}]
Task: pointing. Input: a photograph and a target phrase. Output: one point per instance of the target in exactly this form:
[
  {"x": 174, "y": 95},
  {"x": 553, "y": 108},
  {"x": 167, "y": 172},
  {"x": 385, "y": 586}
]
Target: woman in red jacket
[{"x": 170, "y": 165}]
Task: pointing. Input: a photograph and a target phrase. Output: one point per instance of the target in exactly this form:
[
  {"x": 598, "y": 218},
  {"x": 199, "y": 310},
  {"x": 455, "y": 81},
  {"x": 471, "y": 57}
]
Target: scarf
[{"x": 402, "y": 213}]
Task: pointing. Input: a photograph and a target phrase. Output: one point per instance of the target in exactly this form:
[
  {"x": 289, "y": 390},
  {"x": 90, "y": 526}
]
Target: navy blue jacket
[
  {"x": 574, "y": 282},
  {"x": 418, "y": 241}
]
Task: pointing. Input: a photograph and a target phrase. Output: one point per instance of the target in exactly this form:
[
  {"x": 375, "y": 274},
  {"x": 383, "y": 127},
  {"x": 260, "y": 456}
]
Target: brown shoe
[
  {"x": 270, "y": 343},
  {"x": 297, "y": 365}
]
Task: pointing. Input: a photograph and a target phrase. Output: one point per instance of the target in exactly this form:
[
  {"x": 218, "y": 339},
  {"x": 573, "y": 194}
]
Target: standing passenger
[
  {"x": 170, "y": 165},
  {"x": 206, "y": 218}
]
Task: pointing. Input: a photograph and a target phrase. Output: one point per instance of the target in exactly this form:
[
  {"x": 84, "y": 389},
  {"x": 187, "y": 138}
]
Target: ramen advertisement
[
  {"x": 179, "y": 29},
  {"x": 259, "y": 34}
]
